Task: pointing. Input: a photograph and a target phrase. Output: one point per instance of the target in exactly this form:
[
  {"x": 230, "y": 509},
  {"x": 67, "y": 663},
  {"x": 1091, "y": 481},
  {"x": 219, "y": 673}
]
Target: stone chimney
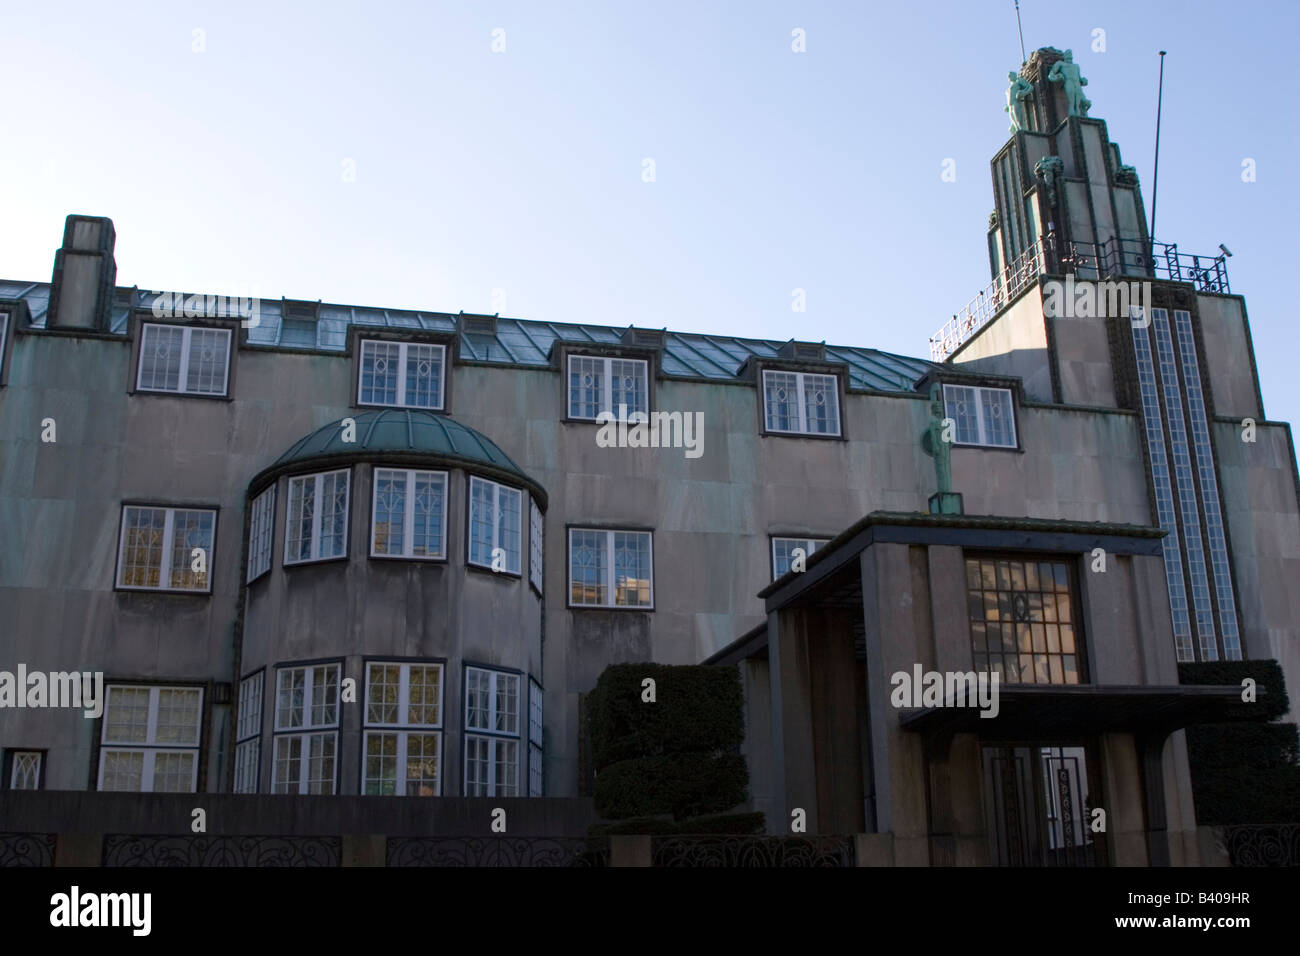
[{"x": 85, "y": 275}]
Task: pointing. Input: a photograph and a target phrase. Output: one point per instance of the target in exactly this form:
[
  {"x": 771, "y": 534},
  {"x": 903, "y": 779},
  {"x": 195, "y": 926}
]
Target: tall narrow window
[
  {"x": 494, "y": 523},
  {"x": 982, "y": 416},
  {"x": 535, "y": 753},
  {"x": 166, "y": 549},
  {"x": 306, "y": 701},
  {"x": 491, "y": 733},
  {"x": 261, "y": 527},
  {"x": 610, "y": 568},
  {"x": 410, "y": 514},
  {"x": 783, "y": 552},
  {"x": 150, "y": 739},
  {"x": 4, "y": 331},
  {"x": 607, "y": 385},
  {"x": 248, "y": 733},
  {"x": 536, "y": 552},
  {"x": 185, "y": 359},
  {"x": 401, "y": 374},
  {"x": 403, "y": 733},
  {"x": 316, "y": 526},
  {"x": 801, "y": 403}
]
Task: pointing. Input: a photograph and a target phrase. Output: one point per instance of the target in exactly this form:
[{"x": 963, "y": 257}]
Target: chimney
[{"x": 85, "y": 275}]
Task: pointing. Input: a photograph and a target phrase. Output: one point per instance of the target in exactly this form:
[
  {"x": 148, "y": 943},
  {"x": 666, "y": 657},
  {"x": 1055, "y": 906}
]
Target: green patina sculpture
[
  {"x": 1064, "y": 71},
  {"x": 1019, "y": 91},
  {"x": 933, "y": 443}
]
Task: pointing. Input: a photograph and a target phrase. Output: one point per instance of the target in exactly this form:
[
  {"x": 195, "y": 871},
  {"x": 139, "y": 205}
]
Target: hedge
[
  {"x": 738, "y": 824},
  {"x": 683, "y": 785}
]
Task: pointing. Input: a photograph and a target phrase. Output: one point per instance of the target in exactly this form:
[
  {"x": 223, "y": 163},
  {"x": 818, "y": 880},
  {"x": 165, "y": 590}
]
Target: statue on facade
[
  {"x": 934, "y": 444},
  {"x": 1019, "y": 91},
  {"x": 1065, "y": 71},
  {"x": 1050, "y": 169}
]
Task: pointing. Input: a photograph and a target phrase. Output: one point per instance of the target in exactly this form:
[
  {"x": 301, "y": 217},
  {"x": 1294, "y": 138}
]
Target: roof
[
  {"x": 400, "y": 434},
  {"x": 516, "y": 341}
]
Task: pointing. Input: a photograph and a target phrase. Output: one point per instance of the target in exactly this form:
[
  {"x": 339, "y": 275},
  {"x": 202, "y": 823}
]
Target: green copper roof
[{"x": 403, "y": 432}]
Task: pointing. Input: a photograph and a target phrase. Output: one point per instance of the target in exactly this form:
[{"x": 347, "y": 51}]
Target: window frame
[
  {"x": 187, "y": 339},
  {"x": 517, "y": 571},
  {"x": 9, "y": 766},
  {"x": 403, "y": 351},
  {"x": 610, "y": 576},
  {"x": 404, "y": 729},
  {"x": 280, "y": 736},
  {"x": 495, "y": 738},
  {"x": 408, "y": 513},
  {"x": 261, "y": 524},
  {"x": 150, "y": 748},
  {"x": 536, "y": 547},
  {"x": 607, "y": 386},
  {"x": 800, "y": 376},
  {"x": 5, "y": 324},
  {"x": 537, "y": 740},
  {"x": 243, "y": 738},
  {"x": 165, "y": 566},
  {"x": 980, "y": 426},
  {"x": 818, "y": 543},
  {"x": 319, "y": 478}
]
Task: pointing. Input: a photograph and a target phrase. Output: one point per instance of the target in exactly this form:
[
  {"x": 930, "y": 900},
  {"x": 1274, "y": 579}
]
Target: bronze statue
[
  {"x": 934, "y": 444},
  {"x": 1066, "y": 72},
  {"x": 1019, "y": 91}
]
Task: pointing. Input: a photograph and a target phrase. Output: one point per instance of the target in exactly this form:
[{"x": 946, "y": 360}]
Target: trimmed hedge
[
  {"x": 732, "y": 824},
  {"x": 697, "y": 709},
  {"x": 1247, "y": 771},
  {"x": 684, "y": 785}
]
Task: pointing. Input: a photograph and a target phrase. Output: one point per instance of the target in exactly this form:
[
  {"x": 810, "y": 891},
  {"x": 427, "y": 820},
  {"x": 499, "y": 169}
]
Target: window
[
  {"x": 610, "y": 568},
  {"x": 535, "y": 550},
  {"x": 410, "y": 514},
  {"x": 150, "y": 739},
  {"x": 4, "y": 331},
  {"x": 159, "y": 549},
  {"x": 492, "y": 733},
  {"x": 1022, "y": 620},
  {"x": 783, "y": 548},
  {"x": 401, "y": 374},
  {"x": 316, "y": 527},
  {"x": 494, "y": 515},
  {"x": 248, "y": 733},
  {"x": 185, "y": 359},
  {"x": 307, "y": 698},
  {"x": 801, "y": 402},
  {"x": 535, "y": 753},
  {"x": 983, "y": 416},
  {"x": 607, "y": 385},
  {"x": 24, "y": 769},
  {"x": 261, "y": 527},
  {"x": 404, "y": 758}
]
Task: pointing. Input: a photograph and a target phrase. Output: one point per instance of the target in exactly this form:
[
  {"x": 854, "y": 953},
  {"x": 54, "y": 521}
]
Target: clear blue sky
[{"x": 522, "y": 170}]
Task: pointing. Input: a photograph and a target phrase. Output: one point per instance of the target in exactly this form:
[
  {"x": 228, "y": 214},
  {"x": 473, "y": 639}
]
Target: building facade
[{"x": 322, "y": 549}]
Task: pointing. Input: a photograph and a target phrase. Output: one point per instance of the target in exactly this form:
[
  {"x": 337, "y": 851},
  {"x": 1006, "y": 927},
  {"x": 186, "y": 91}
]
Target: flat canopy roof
[{"x": 1037, "y": 710}]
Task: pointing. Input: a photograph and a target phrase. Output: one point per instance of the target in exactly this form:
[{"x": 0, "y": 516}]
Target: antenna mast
[
  {"x": 1023, "y": 58},
  {"x": 1155, "y": 176}
]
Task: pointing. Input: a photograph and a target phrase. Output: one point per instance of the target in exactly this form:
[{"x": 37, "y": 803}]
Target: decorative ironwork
[
  {"x": 27, "y": 849},
  {"x": 150, "y": 850},
  {"x": 752, "y": 851},
  {"x": 1265, "y": 844},
  {"x": 498, "y": 851}
]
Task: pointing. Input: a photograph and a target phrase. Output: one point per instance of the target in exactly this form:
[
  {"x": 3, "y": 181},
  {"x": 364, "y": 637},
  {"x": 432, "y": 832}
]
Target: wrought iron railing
[
  {"x": 752, "y": 851},
  {"x": 27, "y": 849},
  {"x": 498, "y": 851},
  {"x": 157, "y": 850},
  {"x": 1264, "y": 844}
]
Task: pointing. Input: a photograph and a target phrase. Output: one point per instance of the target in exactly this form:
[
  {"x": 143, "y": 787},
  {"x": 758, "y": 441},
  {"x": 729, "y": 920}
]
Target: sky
[{"x": 495, "y": 157}]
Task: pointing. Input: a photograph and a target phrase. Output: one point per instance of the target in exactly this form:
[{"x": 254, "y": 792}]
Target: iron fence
[
  {"x": 752, "y": 851},
  {"x": 219, "y": 851},
  {"x": 498, "y": 851},
  {"x": 1262, "y": 844}
]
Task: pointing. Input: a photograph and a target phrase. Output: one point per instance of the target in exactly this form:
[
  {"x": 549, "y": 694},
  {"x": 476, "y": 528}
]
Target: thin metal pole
[
  {"x": 1023, "y": 58},
  {"x": 1155, "y": 176}
]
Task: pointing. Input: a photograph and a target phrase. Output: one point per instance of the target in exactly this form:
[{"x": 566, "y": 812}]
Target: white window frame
[
  {"x": 4, "y": 342},
  {"x": 536, "y": 545},
  {"x": 165, "y": 569},
  {"x": 408, "y": 514},
  {"x": 980, "y": 423},
  {"x": 404, "y": 728},
  {"x": 187, "y": 340},
  {"x": 248, "y": 732},
  {"x": 150, "y": 748},
  {"x": 536, "y": 734},
  {"x": 497, "y": 489},
  {"x": 308, "y": 729},
  {"x": 14, "y": 757},
  {"x": 810, "y": 546},
  {"x": 403, "y": 351},
  {"x": 607, "y": 385},
  {"x": 318, "y": 493},
  {"x": 261, "y": 534},
  {"x": 611, "y": 578},
  {"x": 496, "y": 739},
  {"x": 801, "y": 404}
]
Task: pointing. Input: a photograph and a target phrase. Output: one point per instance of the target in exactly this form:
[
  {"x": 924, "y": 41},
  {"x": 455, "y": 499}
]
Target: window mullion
[
  {"x": 318, "y": 483},
  {"x": 184, "y": 372},
  {"x": 306, "y": 697},
  {"x": 610, "y": 598},
  {"x": 803, "y": 413},
  {"x": 165, "y": 566},
  {"x": 408, "y": 517},
  {"x": 146, "y": 772},
  {"x": 403, "y": 693},
  {"x": 979, "y": 416},
  {"x": 400, "y": 397},
  {"x": 399, "y": 772},
  {"x": 607, "y": 385}
]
